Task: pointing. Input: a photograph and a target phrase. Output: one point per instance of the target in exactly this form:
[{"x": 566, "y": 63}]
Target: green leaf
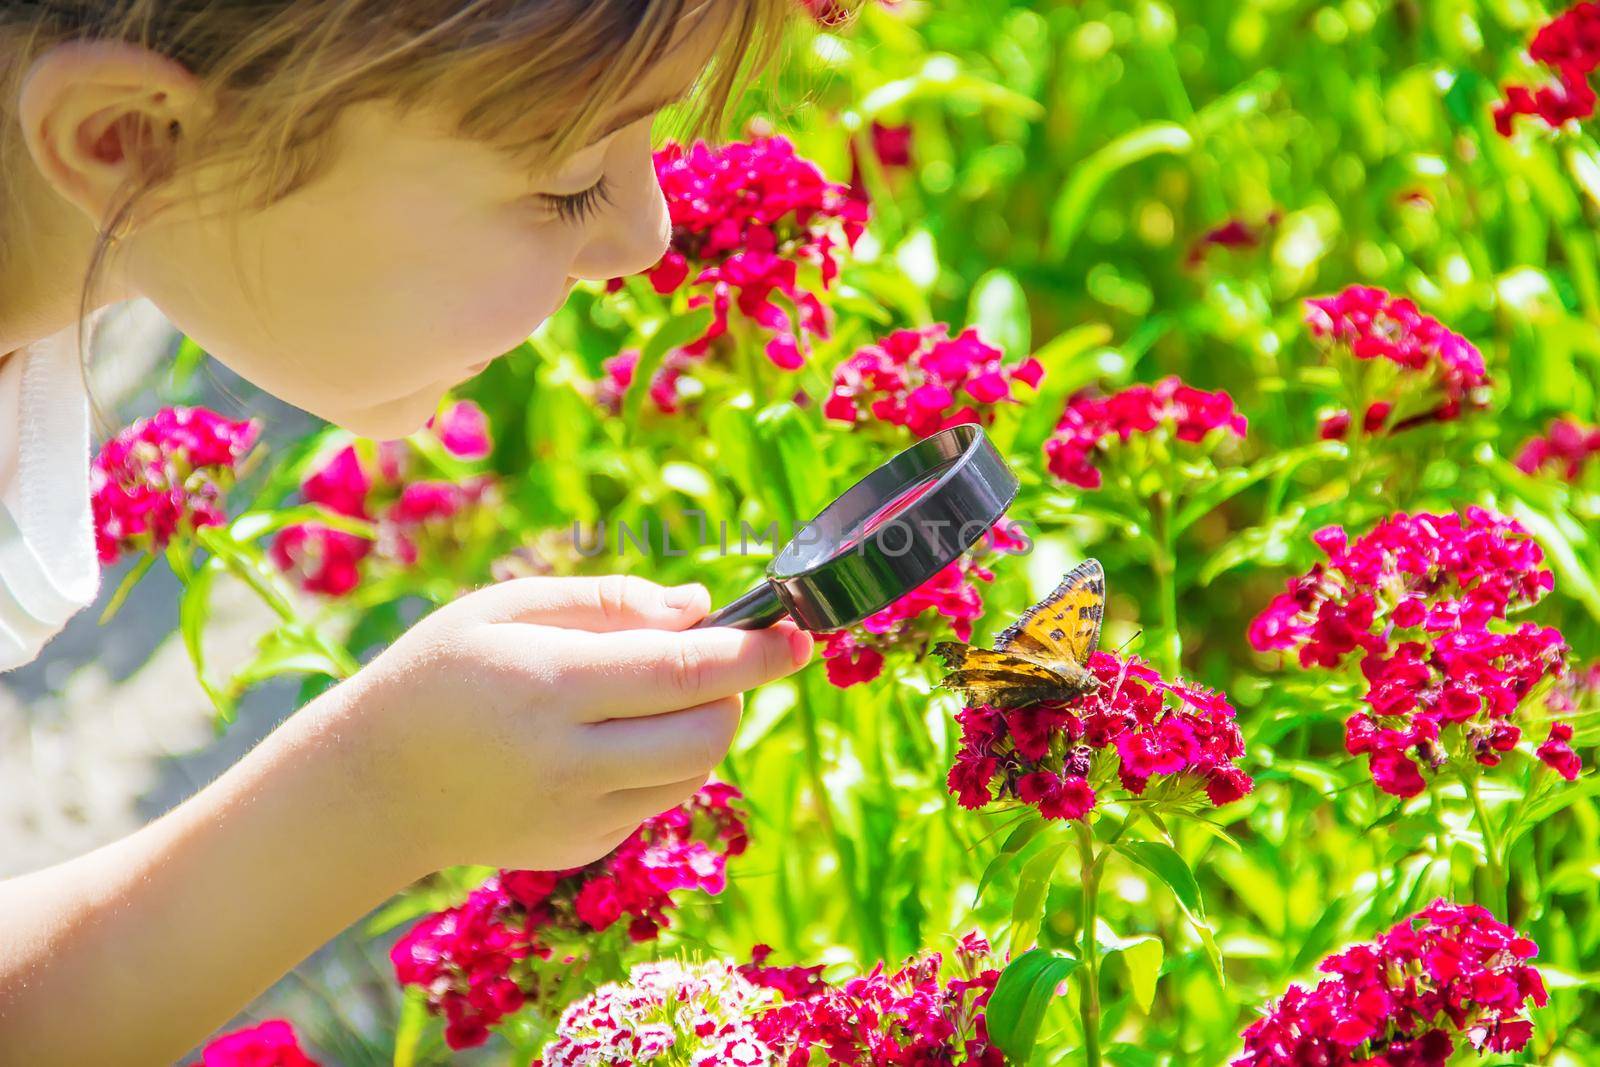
[
  {"x": 1024, "y": 991},
  {"x": 999, "y": 309},
  {"x": 1090, "y": 176},
  {"x": 135, "y": 574},
  {"x": 1066, "y": 370},
  {"x": 1015, "y": 850},
  {"x": 1163, "y": 861},
  {"x": 672, "y": 333},
  {"x": 1033, "y": 884},
  {"x": 1142, "y": 956},
  {"x": 410, "y": 1027},
  {"x": 1230, "y": 483}
]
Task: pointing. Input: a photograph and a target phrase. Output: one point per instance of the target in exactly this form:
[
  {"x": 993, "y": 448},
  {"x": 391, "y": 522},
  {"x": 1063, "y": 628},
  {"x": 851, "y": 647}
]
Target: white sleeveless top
[{"x": 48, "y": 567}]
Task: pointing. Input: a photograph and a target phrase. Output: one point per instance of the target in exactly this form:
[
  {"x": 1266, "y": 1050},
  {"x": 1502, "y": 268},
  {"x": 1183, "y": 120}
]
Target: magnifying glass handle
[{"x": 756, "y": 610}]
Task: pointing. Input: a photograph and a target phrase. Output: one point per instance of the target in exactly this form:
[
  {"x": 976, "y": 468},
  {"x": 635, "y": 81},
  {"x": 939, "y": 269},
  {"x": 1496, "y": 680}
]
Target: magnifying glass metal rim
[{"x": 972, "y": 492}]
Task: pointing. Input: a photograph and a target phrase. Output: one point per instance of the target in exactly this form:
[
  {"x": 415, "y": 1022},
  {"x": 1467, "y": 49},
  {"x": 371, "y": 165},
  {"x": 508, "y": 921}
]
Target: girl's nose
[{"x": 629, "y": 237}]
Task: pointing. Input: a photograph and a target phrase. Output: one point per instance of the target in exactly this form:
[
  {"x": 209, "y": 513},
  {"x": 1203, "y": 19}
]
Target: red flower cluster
[
  {"x": 272, "y": 1044},
  {"x": 927, "y": 381},
  {"x": 910, "y": 1016},
  {"x": 1091, "y": 422},
  {"x": 1371, "y": 324},
  {"x": 1401, "y": 1000},
  {"x": 619, "y": 374},
  {"x": 1134, "y": 728},
  {"x": 477, "y": 961},
  {"x": 1418, "y": 600},
  {"x": 372, "y": 485},
  {"x": 1569, "y": 45},
  {"x": 163, "y": 477},
  {"x": 745, "y": 217},
  {"x": 950, "y": 597},
  {"x": 666, "y": 1013},
  {"x": 1564, "y": 450}
]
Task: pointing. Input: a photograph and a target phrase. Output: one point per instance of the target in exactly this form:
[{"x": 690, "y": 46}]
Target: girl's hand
[{"x": 535, "y": 724}]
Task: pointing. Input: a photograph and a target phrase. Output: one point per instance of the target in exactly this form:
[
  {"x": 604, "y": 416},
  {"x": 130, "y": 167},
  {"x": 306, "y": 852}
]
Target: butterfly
[{"x": 1044, "y": 655}]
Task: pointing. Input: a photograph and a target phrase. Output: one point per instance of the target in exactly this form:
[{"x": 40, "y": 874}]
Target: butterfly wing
[
  {"x": 1063, "y": 629},
  {"x": 998, "y": 679}
]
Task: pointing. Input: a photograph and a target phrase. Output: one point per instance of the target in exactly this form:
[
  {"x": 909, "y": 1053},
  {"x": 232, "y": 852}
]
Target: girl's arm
[{"x": 531, "y": 725}]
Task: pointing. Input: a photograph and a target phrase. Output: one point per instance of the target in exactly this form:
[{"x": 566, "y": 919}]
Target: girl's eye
[{"x": 576, "y": 208}]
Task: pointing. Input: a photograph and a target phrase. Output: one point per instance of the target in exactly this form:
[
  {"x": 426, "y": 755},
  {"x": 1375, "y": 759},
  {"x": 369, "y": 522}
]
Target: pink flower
[
  {"x": 1448, "y": 973},
  {"x": 746, "y": 217},
  {"x": 1418, "y": 606},
  {"x": 1093, "y": 424},
  {"x": 415, "y": 520},
  {"x": 1556, "y": 752},
  {"x": 1564, "y": 451},
  {"x": 322, "y": 559},
  {"x": 272, "y": 1044},
  {"x": 1569, "y": 45},
  {"x": 912, "y": 1015},
  {"x": 619, "y": 373},
  {"x": 463, "y": 429},
  {"x": 341, "y": 484},
  {"x": 1135, "y": 730},
  {"x": 164, "y": 477},
  {"x": 1440, "y": 372},
  {"x": 480, "y": 961},
  {"x": 927, "y": 381}
]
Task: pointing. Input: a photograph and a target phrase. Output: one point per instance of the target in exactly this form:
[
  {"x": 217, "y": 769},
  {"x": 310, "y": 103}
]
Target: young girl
[{"x": 354, "y": 204}]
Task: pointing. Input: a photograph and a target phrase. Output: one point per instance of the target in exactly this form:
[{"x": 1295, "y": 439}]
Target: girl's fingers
[
  {"x": 601, "y": 605},
  {"x": 636, "y": 805},
  {"x": 662, "y": 749},
  {"x": 636, "y": 673}
]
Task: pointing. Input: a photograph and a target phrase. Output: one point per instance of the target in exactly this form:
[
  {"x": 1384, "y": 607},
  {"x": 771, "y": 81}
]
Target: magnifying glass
[{"x": 885, "y": 536}]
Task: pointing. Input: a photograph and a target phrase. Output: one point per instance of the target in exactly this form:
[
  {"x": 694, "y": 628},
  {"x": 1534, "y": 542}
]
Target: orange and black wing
[
  {"x": 1064, "y": 627},
  {"x": 998, "y": 679}
]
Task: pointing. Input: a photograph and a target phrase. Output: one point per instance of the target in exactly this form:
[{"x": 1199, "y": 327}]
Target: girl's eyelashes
[{"x": 577, "y": 208}]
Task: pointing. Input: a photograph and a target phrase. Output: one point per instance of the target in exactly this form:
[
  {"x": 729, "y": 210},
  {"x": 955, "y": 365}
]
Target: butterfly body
[{"x": 1043, "y": 656}]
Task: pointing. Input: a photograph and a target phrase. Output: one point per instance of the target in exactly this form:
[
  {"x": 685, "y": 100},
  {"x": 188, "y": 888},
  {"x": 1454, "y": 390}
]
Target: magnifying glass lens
[{"x": 894, "y": 508}]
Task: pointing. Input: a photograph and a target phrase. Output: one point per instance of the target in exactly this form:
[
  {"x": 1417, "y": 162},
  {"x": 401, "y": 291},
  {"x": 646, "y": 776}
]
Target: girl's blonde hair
[{"x": 533, "y": 77}]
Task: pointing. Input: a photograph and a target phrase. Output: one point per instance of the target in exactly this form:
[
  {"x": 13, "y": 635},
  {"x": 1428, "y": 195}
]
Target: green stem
[
  {"x": 1491, "y": 849},
  {"x": 1089, "y": 1001}
]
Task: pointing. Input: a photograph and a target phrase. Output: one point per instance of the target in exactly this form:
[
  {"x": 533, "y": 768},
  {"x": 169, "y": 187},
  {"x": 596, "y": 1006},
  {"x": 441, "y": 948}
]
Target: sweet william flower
[
  {"x": 1418, "y": 606},
  {"x": 479, "y": 962},
  {"x": 463, "y": 429},
  {"x": 1448, "y": 974},
  {"x": 1556, "y": 752},
  {"x": 1436, "y": 373},
  {"x": 1093, "y": 424},
  {"x": 1169, "y": 741},
  {"x": 271, "y": 1044},
  {"x": 1564, "y": 451},
  {"x": 915, "y": 1015},
  {"x": 746, "y": 217},
  {"x": 927, "y": 381},
  {"x": 412, "y": 517},
  {"x": 1569, "y": 46},
  {"x": 165, "y": 477},
  {"x": 669, "y": 1012}
]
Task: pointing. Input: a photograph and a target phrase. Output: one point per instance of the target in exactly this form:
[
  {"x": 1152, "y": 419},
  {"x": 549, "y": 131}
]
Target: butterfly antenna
[{"x": 1136, "y": 635}]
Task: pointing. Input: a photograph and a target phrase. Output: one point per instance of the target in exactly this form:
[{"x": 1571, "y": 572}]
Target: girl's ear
[{"x": 102, "y": 117}]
